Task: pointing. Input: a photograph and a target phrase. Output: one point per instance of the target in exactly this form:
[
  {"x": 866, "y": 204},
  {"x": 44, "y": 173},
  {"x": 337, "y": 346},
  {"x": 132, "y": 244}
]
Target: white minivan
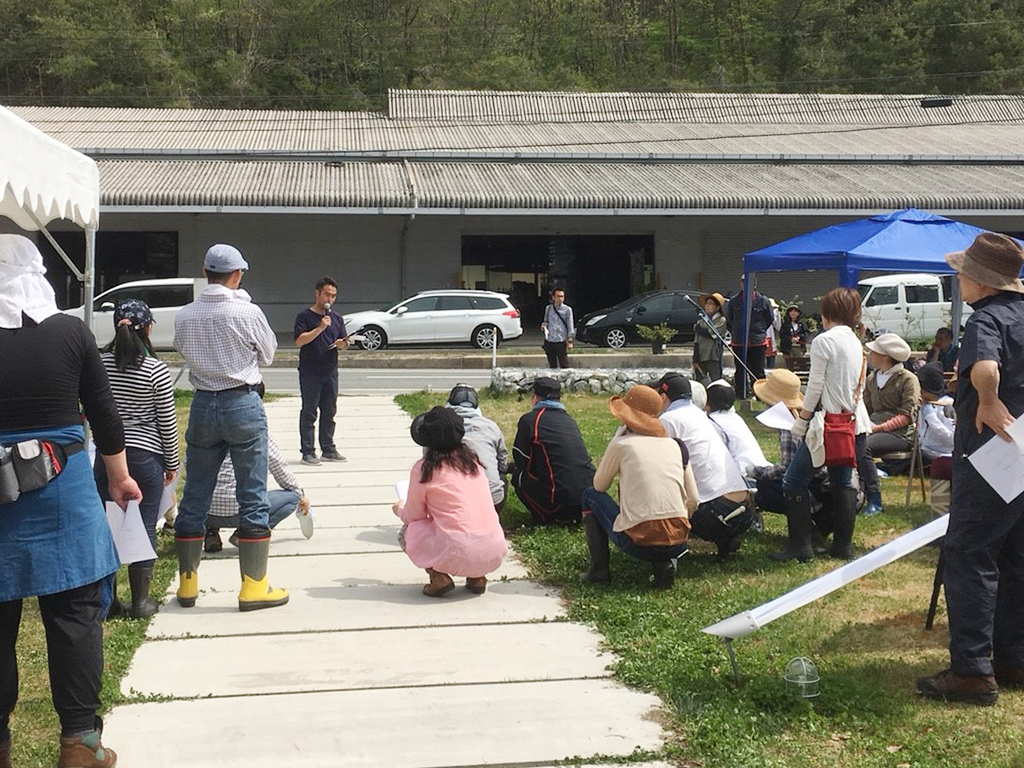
[
  {"x": 165, "y": 298},
  {"x": 912, "y": 305}
]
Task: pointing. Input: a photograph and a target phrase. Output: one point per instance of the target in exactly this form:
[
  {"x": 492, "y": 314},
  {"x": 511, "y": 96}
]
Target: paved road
[{"x": 385, "y": 381}]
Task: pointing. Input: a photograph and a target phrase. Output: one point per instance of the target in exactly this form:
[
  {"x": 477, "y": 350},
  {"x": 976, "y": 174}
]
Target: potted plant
[{"x": 658, "y": 335}]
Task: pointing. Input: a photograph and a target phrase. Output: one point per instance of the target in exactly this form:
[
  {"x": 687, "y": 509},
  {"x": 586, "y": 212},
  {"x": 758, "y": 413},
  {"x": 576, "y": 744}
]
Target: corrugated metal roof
[
  {"x": 702, "y": 108},
  {"x": 110, "y": 129},
  {"x": 563, "y": 186}
]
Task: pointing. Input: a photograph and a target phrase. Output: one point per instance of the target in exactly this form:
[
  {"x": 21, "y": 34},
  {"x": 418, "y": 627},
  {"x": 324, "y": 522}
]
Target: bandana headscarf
[{"x": 23, "y": 287}]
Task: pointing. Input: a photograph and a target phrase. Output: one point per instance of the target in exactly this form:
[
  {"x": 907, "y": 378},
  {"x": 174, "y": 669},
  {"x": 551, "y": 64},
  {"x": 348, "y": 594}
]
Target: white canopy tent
[{"x": 41, "y": 180}]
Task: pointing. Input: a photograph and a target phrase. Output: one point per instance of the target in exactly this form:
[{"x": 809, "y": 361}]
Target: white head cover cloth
[
  {"x": 698, "y": 395},
  {"x": 23, "y": 285}
]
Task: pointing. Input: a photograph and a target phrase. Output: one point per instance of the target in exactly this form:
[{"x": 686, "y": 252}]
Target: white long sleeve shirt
[{"x": 837, "y": 360}]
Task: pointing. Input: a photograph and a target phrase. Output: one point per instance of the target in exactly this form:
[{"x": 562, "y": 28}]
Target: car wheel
[
  {"x": 484, "y": 336},
  {"x": 373, "y": 338},
  {"x": 615, "y": 338}
]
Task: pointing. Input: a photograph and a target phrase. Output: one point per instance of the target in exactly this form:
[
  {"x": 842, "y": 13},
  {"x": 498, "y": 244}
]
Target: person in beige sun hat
[
  {"x": 657, "y": 492},
  {"x": 984, "y": 543},
  {"x": 780, "y": 386}
]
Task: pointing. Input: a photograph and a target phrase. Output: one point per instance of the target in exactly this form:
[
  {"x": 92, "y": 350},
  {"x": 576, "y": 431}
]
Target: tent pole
[
  {"x": 90, "y": 272},
  {"x": 56, "y": 246},
  {"x": 748, "y": 308},
  {"x": 958, "y": 311}
]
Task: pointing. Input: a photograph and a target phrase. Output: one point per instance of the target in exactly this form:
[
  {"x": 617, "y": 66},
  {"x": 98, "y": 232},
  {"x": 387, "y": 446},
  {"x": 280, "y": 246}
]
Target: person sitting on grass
[
  {"x": 720, "y": 486},
  {"x": 450, "y": 528},
  {"x": 550, "y": 464},
  {"x": 742, "y": 445},
  {"x": 657, "y": 492},
  {"x": 484, "y": 438}
]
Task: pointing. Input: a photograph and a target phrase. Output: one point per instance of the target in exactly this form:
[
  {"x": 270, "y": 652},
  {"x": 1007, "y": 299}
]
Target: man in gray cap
[
  {"x": 225, "y": 338},
  {"x": 984, "y": 546}
]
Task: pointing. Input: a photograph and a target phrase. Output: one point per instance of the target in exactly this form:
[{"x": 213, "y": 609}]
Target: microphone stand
[{"x": 721, "y": 340}]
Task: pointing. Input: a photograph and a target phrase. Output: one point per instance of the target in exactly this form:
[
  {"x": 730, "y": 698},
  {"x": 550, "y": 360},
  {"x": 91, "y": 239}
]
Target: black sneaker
[
  {"x": 310, "y": 459},
  {"x": 332, "y": 455},
  {"x": 212, "y": 542}
]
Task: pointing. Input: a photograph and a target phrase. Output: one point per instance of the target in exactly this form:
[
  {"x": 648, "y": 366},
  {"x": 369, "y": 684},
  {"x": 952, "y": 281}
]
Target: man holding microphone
[{"x": 319, "y": 334}]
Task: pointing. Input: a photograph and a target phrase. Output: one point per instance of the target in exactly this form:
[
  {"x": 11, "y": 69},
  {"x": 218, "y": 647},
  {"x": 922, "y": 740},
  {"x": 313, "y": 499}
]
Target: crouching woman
[
  {"x": 657, "y": 492},
  {"x": 450, "y": 526}
]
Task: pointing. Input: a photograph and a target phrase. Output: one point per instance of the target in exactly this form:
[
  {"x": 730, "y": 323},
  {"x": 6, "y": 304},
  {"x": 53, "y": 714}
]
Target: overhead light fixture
[{"x": 930, "y": 102}]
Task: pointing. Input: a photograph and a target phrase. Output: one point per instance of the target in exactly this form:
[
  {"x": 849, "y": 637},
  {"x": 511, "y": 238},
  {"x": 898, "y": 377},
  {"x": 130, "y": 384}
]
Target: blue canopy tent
[{"x": 902, "y": 241}]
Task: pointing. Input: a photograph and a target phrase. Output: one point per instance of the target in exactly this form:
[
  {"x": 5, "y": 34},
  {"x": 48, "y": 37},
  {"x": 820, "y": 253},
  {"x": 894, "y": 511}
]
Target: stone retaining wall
[{"x": 595, "y": 380}]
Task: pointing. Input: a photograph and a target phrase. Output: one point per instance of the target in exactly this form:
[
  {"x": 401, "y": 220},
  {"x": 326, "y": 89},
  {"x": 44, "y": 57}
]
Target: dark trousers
[
  {"x": 709, "y": 521},
  {"x": 984, "y": 580},
  {"x": 318, "y": 393},
  {"x": 74, "y": 653},
  {"x": 755, "y": 362},
  {"x": 770, "y": 497},
  {"x": 536, "y": 499},
  {"x": 879, "y": 444},
  {"x": 558, "y": 353}
]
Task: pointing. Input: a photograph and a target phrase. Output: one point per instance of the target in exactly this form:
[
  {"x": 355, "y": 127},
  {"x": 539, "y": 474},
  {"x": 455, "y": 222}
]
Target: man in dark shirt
[
  {"x": 984, "y": 546},
  {"x": 319, "y": 334},
  {"x": 550, "y": 464},
  {"x": 761, "y": 318}
]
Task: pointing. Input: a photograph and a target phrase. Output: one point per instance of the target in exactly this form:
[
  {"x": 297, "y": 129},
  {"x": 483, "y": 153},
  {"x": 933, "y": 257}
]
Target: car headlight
[{"x": 594, "y": 319}]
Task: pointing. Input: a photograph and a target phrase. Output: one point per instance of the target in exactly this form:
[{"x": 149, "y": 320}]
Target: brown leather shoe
[
  {"x": 85, "y": 751},
  {"x": 440, "y": 584},
  {"x": 1008, "y": 676},
  {"x": 477, "y": 584},
  {"x": 949, "y": 686},
  {"x": 5, "y": 754}
]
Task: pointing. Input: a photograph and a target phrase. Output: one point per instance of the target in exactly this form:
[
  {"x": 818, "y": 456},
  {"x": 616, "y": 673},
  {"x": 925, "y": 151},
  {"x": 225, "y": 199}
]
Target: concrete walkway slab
[
  {"x": 472, "y": 725},
  {"x": 334, "y": 607},
  {"x": 355, "y": 464},
  {"x": 376, "y": 494},
  {"x": 326, "y": 541},
  {"x": 304, "y": 572},
  {"x": 345, "y": 478},
  {"x": 372, "y": 658}
]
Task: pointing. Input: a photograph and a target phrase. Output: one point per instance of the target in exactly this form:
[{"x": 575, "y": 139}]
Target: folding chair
[
  {"x": 801, "y": 366},
  {"x": 916, "y": 465}
]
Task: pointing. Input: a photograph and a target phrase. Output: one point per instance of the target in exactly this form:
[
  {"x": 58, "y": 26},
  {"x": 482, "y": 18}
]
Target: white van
[
  {"x": 165, "y": 298},
  {"x": 914, "y": 306}
]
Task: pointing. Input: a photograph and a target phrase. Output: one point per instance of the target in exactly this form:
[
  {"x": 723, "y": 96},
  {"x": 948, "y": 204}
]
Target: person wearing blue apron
[{"x": 55, "y": 543}]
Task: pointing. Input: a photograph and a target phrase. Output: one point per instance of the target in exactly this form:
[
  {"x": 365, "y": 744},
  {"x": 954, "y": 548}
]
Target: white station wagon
[
  {"x": 443, "y": 317},
  {"x": 165, "y": 297}
]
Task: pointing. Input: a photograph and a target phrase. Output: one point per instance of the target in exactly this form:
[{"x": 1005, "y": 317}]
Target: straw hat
[
  {"x": 716, "y": 296},
  {"x": 892, "y": 345},
  {"x": 781, "y": 386},
  {"x": 638, "y": 409},
  {"x": 992, "y": 259}
]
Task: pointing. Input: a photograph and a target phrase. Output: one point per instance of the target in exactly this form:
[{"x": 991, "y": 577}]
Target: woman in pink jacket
[{"x": 450, "y": 526}]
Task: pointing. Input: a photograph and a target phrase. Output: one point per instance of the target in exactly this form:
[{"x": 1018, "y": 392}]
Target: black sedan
[{"x": 616, "y": 326}]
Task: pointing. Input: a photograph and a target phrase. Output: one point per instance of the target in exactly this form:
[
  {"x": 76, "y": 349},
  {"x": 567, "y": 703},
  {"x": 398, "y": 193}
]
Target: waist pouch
[{"x": 31, "y": 465}]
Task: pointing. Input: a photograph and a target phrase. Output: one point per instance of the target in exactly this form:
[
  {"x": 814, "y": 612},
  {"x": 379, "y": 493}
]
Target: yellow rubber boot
[
  {"x": 190, "y": 552},
  {"x": 256, "y": 591}
]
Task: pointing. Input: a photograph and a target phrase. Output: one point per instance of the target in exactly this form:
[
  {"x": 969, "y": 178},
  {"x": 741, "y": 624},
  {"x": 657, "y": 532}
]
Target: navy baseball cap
[
  {"x": 224, "y": 258},
  {"x": 136, "y": 312}
]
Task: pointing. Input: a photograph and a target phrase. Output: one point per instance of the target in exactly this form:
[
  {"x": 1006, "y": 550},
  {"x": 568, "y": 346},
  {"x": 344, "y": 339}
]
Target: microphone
[{"x": 327, "y": 307}]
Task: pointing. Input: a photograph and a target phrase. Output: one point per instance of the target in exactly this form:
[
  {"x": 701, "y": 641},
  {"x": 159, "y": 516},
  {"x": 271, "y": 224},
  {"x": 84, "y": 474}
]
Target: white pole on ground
[{"x": 750, "y": 621}]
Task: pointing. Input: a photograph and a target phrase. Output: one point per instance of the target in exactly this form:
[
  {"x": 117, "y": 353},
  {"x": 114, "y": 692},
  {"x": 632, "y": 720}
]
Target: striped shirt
[
  {"x": 145, "y": 400},
  {"x": 224, "y": 503},
  {"x": 224, "y": 338}
]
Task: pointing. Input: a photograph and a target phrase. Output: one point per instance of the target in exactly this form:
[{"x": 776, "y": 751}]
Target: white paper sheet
[
  {"x": 1001, "y": 463},
  {"x": 130, "y": 535},
  {"x": 748, "y": 621},
  {"x": 169, "y": 499},
  {"x": 402, "y": 489},
  {"x": 777, "y": 417}
]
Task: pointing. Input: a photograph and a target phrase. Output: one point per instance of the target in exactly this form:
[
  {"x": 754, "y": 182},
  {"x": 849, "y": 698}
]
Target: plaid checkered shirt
[
  {"x": 224, "y": 503},
  {"x": 224, "y": 338}
]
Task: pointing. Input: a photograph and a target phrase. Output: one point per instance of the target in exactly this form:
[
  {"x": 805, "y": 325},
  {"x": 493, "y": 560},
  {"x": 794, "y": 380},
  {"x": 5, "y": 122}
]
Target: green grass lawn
[{"x": 867, "y": 639}]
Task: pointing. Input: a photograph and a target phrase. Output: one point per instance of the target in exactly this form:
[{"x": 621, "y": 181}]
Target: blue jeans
[
  {"x": 801, "y": 472},
  {"x": 605, "y": 509},
  {"x": 146, "y": 469},
  {"x": 318, "y": 392},
  {"x": 220, "y": 423},
  {"x": 282, "y": 504}
]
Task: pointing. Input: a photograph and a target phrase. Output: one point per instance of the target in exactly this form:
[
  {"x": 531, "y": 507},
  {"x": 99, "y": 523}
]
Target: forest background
[{"x": 345, "y": 54}]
